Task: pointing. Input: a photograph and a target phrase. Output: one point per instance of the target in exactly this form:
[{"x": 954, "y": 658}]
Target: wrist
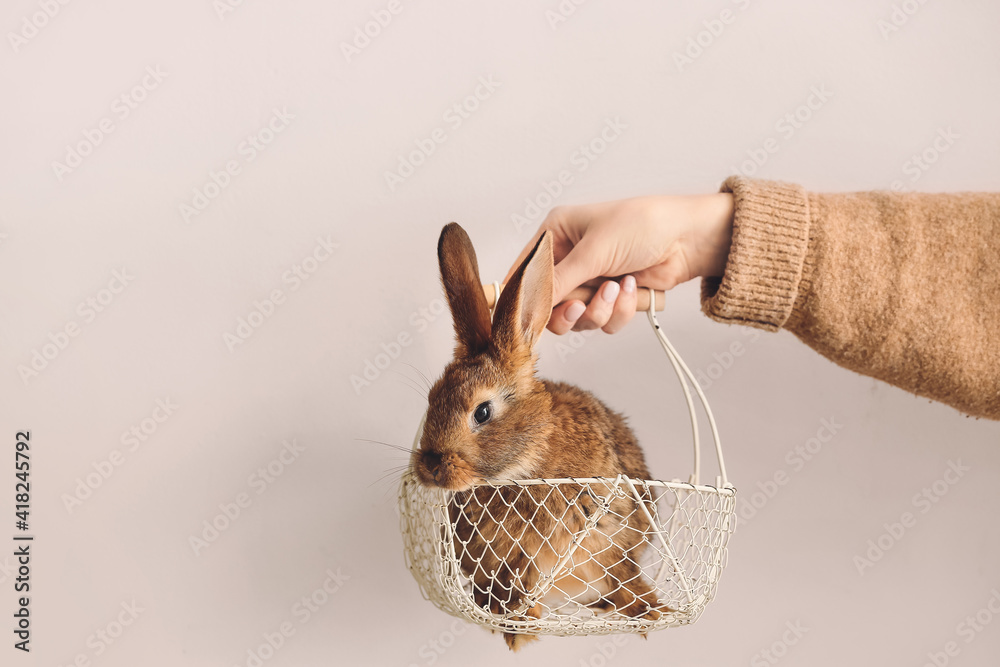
[{"x": 712, "y": 235}]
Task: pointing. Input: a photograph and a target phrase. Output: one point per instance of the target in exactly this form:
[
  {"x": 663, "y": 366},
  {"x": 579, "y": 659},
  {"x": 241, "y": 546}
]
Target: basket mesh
[{"x": 569, "y": 556}]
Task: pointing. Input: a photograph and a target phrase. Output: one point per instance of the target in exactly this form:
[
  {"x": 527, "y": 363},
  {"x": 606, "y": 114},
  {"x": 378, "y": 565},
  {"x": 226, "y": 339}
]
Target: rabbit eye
[{"x": 483, "y": 413}]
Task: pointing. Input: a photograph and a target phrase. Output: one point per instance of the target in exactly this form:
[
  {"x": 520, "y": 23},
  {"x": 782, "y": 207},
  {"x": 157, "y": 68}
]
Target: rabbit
[{"x": 490, "y": 418}]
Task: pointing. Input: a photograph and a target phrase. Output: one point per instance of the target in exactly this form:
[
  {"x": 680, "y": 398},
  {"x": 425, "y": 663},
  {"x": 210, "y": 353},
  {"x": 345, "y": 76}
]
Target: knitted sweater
[{"x": 903, "y": 287}]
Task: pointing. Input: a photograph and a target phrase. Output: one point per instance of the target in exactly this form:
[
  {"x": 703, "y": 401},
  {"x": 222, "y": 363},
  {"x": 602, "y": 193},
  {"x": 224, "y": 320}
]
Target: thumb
[{"x": 580, "y": 265}]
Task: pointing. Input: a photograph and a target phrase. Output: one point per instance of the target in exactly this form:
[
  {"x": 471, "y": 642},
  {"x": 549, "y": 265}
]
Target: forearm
[{"x": 901, "y": 287}]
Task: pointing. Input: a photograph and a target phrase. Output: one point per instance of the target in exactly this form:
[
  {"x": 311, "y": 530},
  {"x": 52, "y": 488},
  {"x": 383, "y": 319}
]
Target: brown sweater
[{"x": 904, "y": 287}]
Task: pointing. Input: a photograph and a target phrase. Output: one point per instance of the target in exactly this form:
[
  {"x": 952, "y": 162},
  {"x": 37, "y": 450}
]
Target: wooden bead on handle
[{"x": 585, "y": 294}]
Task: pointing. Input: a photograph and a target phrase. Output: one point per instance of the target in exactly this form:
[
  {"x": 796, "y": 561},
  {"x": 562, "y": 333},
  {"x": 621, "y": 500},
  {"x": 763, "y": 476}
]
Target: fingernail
[
  {"x": 610, "y": 292},
  {"x": 629, "y": 284},
  {"x": 574, "y": 312}
]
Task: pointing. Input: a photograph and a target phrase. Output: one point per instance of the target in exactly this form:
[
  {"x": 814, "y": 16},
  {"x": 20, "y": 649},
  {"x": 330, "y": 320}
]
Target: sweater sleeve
[{"x": 903, "y": 287}]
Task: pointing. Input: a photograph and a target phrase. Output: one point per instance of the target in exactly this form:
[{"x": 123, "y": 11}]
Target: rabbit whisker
[
  {"x": 410, "y": 382},
  {"x": 422, "y": 375},
  {"x": 391, "y": 474},
  {"x": 386, "y": 444}
]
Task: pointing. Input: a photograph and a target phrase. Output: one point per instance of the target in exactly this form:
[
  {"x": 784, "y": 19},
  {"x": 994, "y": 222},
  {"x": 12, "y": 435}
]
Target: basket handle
[
  {"x": 685, "y": 375},
  {"x": 652, "y": 300},
  {"x": 584, "y": 293}
]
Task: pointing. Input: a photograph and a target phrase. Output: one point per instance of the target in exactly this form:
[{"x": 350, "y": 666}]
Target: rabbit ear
[
  {"x": 460, "y": 277},
  {"x": 525, "y": 304}
]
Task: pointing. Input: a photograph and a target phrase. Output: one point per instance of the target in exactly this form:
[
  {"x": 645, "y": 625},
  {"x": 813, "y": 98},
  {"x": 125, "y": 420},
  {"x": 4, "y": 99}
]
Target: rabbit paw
[{"x": 517, "y": 642}]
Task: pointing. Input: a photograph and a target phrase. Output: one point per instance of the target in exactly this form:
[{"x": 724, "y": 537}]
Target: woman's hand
[{"x": 658, "y": 242}]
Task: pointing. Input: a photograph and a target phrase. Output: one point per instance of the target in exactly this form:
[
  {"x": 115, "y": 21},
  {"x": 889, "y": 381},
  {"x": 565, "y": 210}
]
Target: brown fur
[{"x": 538, "y": 429}]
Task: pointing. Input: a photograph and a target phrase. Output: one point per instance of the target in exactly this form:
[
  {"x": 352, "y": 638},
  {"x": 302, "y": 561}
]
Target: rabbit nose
[
  {"x": 432, "y": 460},
  {"x": 448, "y": 470}
]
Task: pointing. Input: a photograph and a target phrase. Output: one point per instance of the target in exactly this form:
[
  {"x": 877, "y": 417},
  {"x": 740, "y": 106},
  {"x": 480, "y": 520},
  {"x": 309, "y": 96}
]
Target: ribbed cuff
[{"x": 764, "y": 269}]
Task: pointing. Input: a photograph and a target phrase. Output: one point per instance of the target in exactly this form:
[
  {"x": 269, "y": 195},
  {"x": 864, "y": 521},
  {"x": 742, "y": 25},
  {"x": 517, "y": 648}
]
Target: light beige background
[{"x": 896, "y": 79}]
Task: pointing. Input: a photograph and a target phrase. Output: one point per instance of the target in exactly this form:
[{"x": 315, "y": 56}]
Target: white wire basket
[{"x": 588, "y": 556}]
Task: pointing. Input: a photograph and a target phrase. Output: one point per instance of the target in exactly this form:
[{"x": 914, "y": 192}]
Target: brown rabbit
[{"x": 491, "y": 419}]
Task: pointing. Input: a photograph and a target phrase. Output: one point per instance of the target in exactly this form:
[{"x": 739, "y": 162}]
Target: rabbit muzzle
[{"x": 447, "y": 471}]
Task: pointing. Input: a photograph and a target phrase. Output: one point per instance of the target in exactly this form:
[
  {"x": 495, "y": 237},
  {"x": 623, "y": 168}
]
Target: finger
[
  {"x": 599, "y": 309},
  {"x": 565, "y": 315},
  {"x": 624, "y": 309},
  {"x": 581, "y": 264}
]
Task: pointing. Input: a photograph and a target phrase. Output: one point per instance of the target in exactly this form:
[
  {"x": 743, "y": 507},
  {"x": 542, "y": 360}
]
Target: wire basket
[{"x": 588, "y": 555}]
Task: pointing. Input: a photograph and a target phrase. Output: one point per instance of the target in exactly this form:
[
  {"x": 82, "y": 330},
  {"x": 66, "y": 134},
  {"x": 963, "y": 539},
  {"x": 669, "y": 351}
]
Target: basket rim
[{"x": 726, "y": 490}]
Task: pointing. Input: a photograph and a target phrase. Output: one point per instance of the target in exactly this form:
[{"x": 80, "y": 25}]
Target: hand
[{"x": 658, "y": 242}]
